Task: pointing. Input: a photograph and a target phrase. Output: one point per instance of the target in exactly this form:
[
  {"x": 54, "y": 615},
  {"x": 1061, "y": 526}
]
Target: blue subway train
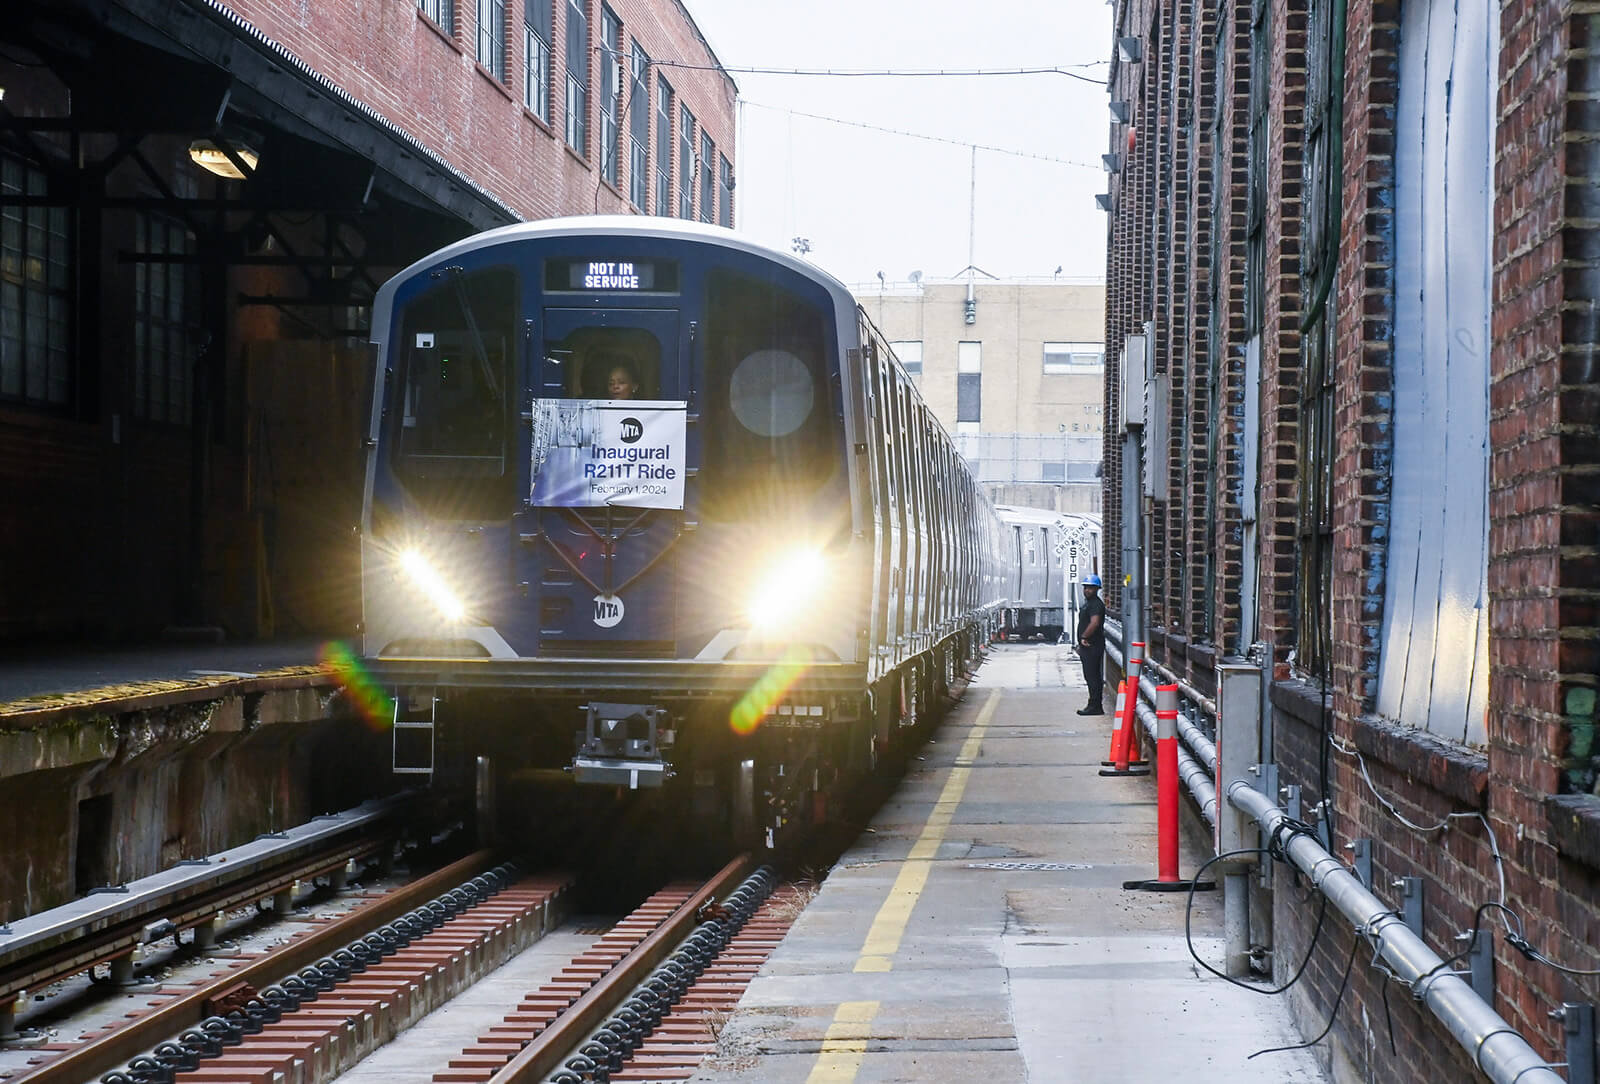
[{"x": 660, "y": 501}]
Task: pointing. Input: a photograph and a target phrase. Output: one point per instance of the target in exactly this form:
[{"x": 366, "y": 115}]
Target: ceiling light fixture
[{"x": 211, "y": 156}]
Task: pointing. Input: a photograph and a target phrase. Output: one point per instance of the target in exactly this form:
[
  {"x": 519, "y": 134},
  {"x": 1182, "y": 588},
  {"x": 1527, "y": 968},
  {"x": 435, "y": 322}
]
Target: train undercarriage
[{"x": 761, "y": 759}]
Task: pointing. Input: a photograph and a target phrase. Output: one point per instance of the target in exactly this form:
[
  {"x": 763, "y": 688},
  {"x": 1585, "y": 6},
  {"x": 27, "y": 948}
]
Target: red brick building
[
  {"x": 1352, "y": 246},
  {"x": 182, "y": 358}
]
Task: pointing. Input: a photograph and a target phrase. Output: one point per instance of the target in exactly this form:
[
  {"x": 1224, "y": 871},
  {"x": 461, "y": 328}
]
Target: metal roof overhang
[{"x": 189, "y": 67}]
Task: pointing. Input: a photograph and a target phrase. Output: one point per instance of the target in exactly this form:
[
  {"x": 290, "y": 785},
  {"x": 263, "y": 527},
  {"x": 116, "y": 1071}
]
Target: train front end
[{"x": 609, "y": 484}]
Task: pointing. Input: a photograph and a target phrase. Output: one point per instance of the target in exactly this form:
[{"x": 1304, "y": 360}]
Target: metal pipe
[
  {"x": 1496, "y": 1047},
  {"x": 1205, "y": 749},
  {"x": 1195, "y": 777},
  {"x": 1236, "y": 923},
  {"x": 1203, "y": 746},
  {"x": 1185, "y": 688}
]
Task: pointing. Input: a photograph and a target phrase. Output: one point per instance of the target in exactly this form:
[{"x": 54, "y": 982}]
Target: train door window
[
  {"x": 458, "y": 391},
  {"x": 603, "y": 363},
  {"x": 767, "y": 361}
]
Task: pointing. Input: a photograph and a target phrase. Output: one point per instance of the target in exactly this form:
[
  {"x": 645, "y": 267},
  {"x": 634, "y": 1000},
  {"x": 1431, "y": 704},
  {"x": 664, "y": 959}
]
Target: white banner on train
[{"x": 588, "y": 453}]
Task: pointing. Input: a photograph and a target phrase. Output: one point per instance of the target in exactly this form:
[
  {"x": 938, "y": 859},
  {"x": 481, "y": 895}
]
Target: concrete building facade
[
  {"x": 1014, "y": 370},
  {"x": 1351, "y": 295}
]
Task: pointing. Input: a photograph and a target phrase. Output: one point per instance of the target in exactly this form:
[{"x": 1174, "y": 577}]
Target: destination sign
[{"x": 611, "y": 276}]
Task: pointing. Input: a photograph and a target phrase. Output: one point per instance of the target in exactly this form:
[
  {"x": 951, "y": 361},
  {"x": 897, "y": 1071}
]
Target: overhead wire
[
  {"x": 922, "y": 135},
  {"x": 892, "y": 73}
]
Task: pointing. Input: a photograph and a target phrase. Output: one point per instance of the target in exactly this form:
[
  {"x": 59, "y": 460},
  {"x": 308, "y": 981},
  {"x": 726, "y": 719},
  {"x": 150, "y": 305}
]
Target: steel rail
[
  {"x": 545, "y": 1053},
  {"x": 54, "y": 944},
  {"x": 164, "y": 1021},
  {"x": 1495, "y": 1046}
]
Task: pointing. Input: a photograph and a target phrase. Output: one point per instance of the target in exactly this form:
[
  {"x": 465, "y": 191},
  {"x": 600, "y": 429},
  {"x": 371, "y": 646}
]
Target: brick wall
[
  {"x": 1531, "y": 782},
  {"x": 401, "y": 64}
]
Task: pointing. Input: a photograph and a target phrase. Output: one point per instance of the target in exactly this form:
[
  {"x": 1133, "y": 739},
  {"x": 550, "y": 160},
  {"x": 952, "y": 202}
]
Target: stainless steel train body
[
  {"x": 771, "y": 534},
  {"x": 1047, "y": 555}
]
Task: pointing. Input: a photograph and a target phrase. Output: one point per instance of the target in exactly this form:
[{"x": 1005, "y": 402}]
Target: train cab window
[
  {"x": 606, "y": 363},
  {"x": 769, "y": 439},
  {"x": 455, "y": 351}
]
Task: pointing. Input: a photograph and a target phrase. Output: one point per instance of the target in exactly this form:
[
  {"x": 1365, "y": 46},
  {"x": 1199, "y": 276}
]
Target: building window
[
  {"x": 610, "y": 93},
  {"x": 664, "y": 106},
  {"x": 442, "y": 12},
  {"x": 492, "y": 37},
  {"x": 909, "y": 351},
  {"x": 686, "y": 163},
  {"x": 1074, "y": 357},
  {"x": 638, "y": 112},
  {"x": 725, "y": 192},
  {"x": 577, "y": 77},
  {"x": 537, "y": 33},
  {"x": 708, "y": 177},
  {"x": 164, "y": 329},
  {"x": 34, "y": 279},
  {"x": 969, "y": 382},
  {"x": 1433, "y": 669}
]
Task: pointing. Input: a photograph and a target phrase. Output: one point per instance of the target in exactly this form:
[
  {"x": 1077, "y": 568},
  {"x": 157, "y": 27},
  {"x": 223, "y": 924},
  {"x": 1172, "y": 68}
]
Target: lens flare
[
  {"x": 767, "y": 691},
  {"x": 375, "y": 706}
]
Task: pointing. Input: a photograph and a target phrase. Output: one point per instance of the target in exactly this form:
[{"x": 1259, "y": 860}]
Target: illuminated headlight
[
  {"x": 425, "y": 578},
  {"x": 790, "y": 585}
]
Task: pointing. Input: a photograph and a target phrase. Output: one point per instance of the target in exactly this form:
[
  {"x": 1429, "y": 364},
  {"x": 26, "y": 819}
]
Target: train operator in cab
[
  {"x": 621, "y": 381},
  {"x": 1092, "y": 643}
]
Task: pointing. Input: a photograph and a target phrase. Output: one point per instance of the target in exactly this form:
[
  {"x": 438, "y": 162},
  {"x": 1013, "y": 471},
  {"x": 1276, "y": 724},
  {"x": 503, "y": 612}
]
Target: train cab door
[{"x": 607, "y": 483}]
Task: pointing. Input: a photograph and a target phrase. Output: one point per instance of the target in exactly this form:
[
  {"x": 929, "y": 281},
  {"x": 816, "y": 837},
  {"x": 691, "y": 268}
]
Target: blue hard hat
[{"x": 1091, "y": 580}]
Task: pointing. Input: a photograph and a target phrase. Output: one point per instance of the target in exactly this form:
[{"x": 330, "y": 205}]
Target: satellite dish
[{"x": 915, "y": 276}]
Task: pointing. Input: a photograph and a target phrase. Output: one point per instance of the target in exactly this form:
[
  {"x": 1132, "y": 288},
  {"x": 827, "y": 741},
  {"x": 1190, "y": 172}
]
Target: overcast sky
[{"x": 869, "y": 201}]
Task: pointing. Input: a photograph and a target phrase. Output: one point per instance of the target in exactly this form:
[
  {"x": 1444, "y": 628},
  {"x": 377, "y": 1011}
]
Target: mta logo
[
  {"x": 632, "y": 430},
  {"x": 608, "y": 610}
]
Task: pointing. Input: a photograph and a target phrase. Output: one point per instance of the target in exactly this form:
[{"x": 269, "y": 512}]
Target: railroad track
[{"x": 643, "y": 1002}]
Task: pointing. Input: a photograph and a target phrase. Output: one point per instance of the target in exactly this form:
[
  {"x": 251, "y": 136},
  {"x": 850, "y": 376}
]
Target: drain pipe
[{"x": 1496, "y": 1047}]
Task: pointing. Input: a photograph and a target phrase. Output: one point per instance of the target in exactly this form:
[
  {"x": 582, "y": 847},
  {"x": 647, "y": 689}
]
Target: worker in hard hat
[{"x": 1092, "y": 644}]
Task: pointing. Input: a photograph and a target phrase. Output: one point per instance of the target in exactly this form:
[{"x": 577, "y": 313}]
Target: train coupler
[{"x": 619, "y": 746}]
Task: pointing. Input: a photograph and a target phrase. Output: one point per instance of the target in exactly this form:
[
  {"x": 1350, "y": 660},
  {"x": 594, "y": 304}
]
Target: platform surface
[
  {"x": 40, "y": 675},
  {"x": 979, "y": 931}
]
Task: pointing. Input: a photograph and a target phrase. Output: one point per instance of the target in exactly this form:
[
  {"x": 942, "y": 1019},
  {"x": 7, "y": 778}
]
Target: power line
[
  {"x": 923, "y": 136},
  {"x": 897, "y": 73}
]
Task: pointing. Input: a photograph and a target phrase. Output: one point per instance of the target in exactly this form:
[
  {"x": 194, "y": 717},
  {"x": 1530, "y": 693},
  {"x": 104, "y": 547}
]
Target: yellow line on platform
[
  {"x": 883, "y": 939},
  {"x": 844, "y": 1044},
  {"x": 846, "y": 1040}
]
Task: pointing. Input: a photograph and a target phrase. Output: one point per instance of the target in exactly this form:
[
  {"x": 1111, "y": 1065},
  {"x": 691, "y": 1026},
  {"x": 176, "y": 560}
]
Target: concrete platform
[
  {"x": 36, "y": 678},
  {"x": 979, "y": 931}
]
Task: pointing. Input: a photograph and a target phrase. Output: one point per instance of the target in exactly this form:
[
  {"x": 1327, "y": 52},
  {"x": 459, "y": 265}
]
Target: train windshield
[
  {"x": 769, "y": 443},
  {"x": 455, "y": 354}
]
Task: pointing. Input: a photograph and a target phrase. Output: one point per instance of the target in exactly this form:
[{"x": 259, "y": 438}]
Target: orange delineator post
[
  {"x": 1167, "y": 879},
  {"x": 1116, "y": 732},
  {"x": 1123, "y": 744}
]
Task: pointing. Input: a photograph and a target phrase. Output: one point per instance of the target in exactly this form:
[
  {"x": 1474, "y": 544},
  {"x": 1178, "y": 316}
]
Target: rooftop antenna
[
  {"x": 972, "y": 239},
  {"x": 915, "y": 277}
]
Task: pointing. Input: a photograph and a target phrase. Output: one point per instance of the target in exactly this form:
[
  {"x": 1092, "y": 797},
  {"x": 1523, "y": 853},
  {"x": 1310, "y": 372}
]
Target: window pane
[
  {"x": 663, "y": 147},
  {"x": 685, "y": 163},
  {"x": 909, "y": 351},
  {"x": 969, "y": 357},
  {"x": 1064, "y": 357},
  {"x": 969, "y": 397},
  {"x": 708, "y": 155}
]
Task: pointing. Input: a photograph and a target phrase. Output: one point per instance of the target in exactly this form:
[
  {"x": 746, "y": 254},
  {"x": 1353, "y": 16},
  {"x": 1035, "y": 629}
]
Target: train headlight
[
  {"x": 791, "y": 583},
  {"x": 426, "y": 579}
]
